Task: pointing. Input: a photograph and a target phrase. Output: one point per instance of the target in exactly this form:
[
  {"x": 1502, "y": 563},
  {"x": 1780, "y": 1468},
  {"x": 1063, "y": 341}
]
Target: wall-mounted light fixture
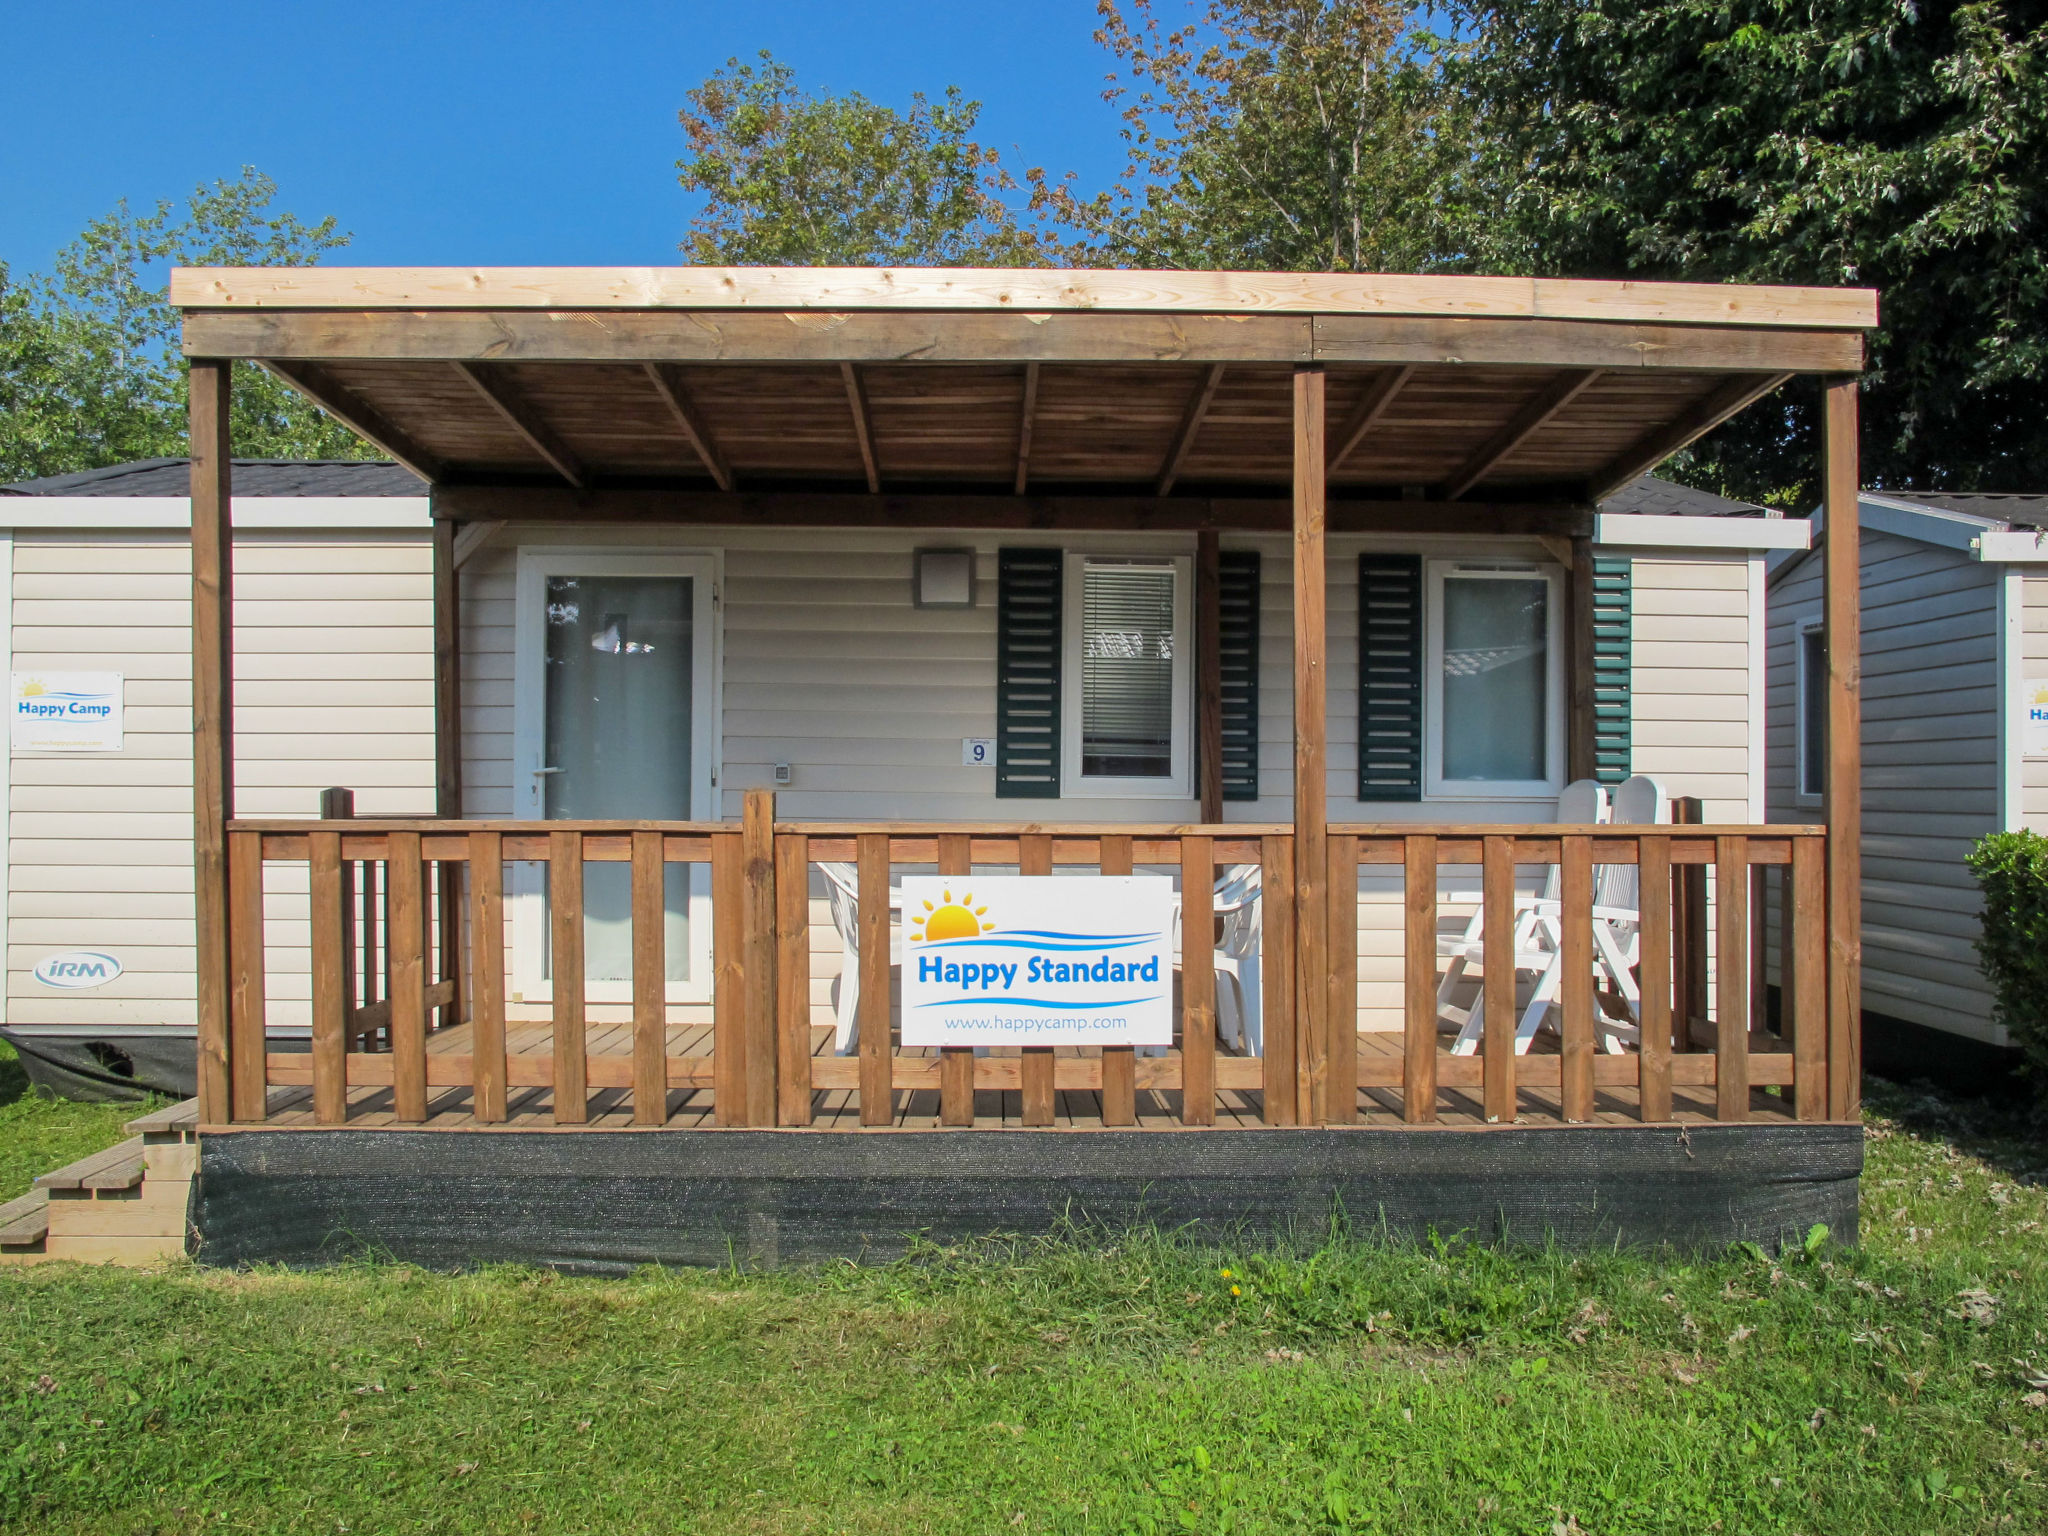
[{"x": 945, "y": 578}]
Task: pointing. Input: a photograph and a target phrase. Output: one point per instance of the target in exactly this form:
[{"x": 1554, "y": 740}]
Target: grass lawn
[
  {"x": 1141, "y": 1385},
  {"x": 39, "y": 1134}
]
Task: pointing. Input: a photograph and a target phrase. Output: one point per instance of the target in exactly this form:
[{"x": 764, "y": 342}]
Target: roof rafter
[
  {"x": 668, "y": 383},
  {"x": 523, "y": 419},
  {"x": 1542, "y": 408},
  {"x": 1190, "y": 424},
  {"x": 1379, "y": 395},
  {"x": 359, "y": 416},
  {"x": 1654, "y": 447},
  {"x": 863, "y": 427},
  {"x": 1027, "y": 421}
]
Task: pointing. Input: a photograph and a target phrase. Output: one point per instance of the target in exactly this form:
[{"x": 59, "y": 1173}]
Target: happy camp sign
[{"x": 1015, "y": 960}]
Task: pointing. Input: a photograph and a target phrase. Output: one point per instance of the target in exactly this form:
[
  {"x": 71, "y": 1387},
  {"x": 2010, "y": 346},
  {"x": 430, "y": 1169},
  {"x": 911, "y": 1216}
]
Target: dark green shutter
[
  {"x": 1237, "y": 601},
  {"x": 1028, "y": 585},
  {"x": 1613, "y": 711},
  {"x": 1390, "y": 677}
]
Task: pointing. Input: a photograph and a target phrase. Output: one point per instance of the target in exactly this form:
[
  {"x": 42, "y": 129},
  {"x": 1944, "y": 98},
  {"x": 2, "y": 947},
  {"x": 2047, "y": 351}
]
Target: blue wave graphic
[
  {"x": 1044, "y": 1002},
  {"x": 1061, "y": 933}
]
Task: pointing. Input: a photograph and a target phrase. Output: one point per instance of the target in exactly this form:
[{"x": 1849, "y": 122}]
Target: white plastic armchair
[{"x": 843, "y": 885}]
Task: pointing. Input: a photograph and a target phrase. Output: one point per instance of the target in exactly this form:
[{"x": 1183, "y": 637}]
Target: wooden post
[
  {"x": 650, "y": 980},
  {"x": 1804, "y": 996},
  {"x": 1653, "y": 867},
  {"x": 1731, "y": 989},
  {"x": 877, "y": 1096},
  {"x": 728, "y": 982},
  {"x": 448, "y": 769},
  {"x": 565, "y": 908},
  {"x": 1841, "y": 574},
  {"x": 1575, "y": 999},
  {"x": 248, "y": 1035},
  {"x": 1198, "y": 986},
  {"x": 1689, "y": 930},
  {"x": 1311, "y": 752},
  {"x": 793, "y": 979},
  {"x": 757, "y": 837},
  {"x": 1418, "y": 970},
  {"x": 213, "y": 776},
  {"x": 1209, "y": 674},
  {"x": 405, "y": 947},
  {"x": 1278, "y": 1064},
  {"x": 1036, "y": 1072},
  {"x": 487, "y": 994},
  {"x": 956, "y": 1062},
  {"x": 330, "y": 1002},
  {"x": 1497, "y": 978},
  {"x": 1340, "y": 1098},
  {"x": 1579, "y": 755},
  {"x": 1119, "y": 1062}
]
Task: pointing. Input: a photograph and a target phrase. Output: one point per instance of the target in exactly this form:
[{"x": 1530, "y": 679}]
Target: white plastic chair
[
  {"x": 843, "y": 890},
  {"x": 1582, "y": 803}
]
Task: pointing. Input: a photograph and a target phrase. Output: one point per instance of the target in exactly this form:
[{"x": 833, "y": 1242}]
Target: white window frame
[
  {"x": 525, "y": 879},
  {"x": 1177, "y": 785},
  {"x": 1434, "y": 786},
  {"x": 1801, "y": 795}
]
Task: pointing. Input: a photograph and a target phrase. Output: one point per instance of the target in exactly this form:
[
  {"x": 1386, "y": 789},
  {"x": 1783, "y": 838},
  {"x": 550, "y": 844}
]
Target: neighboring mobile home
[
  {"x": 761, "y": 596},
  {"x": 1954, "y": 650}
]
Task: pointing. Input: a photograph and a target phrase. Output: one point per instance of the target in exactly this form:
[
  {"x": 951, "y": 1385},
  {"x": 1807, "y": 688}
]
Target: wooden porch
[{"x": 1203, "y": 404}]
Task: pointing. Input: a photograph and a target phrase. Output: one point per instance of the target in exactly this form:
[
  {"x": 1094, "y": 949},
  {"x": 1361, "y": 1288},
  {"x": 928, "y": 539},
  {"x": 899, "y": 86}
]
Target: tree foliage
[
  {"x": 1291, "y": 135},
  {"x": 90, "y": 367},
  {"x": 792, "y": 179},
  {"x": 1898, "y": 144}
]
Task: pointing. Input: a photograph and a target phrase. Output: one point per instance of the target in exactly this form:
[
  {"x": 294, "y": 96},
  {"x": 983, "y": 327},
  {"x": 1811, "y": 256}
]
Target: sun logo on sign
[{"x": 950, "y": 920}]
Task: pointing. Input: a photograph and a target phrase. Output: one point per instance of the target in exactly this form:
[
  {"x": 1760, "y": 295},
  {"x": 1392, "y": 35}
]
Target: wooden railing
[{"x": 405, "y": 942}]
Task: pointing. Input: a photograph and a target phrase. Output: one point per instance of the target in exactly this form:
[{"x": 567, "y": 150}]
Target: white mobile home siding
[
  {"x": 1930, "y": 767},
  {"x": 333, "y": 685}
]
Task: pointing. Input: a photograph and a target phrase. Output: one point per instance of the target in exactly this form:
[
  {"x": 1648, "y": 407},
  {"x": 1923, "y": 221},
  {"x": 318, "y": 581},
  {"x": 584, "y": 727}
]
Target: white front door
[{"x": 615, "y": 719}]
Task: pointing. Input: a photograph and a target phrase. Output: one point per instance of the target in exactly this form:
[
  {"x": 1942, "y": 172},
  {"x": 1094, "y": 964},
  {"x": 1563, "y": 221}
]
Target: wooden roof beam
[
  {"x": 1542, "y": 409},
  {"x": 1027, "y": 421},
  {"x": 1190, "y": 424},
  {"x": 863, "y": 426},
  {"x": 667, "y": 381},
  {"x": 359, "y": 416},
  {"x": 524, "y": 420},
  {"x": 1379, "y": 395},
  {"x": 1653, "y": 448}
]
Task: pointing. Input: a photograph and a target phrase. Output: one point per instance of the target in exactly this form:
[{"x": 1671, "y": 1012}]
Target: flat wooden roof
[
  {"x": 1061, "y": 382},
  {"x": 1004, "y": 289}
]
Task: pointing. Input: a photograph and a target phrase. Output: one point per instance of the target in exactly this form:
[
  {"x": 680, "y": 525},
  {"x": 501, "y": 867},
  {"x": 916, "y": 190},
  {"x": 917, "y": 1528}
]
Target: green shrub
[{"x": 2012, "y": 870}]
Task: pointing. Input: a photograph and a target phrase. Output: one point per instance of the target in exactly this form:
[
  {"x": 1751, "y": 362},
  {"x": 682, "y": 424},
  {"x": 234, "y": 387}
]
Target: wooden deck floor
[{"x": 918, "y": 1109}]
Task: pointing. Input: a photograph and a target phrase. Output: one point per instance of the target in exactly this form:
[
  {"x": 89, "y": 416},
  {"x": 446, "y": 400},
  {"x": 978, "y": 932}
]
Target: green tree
[
  {"x": 791, "y": 179},
  {"x": 91, "y": 371},
  {"x": 1291, "y": 135},
  {"x": 1898, "y": 144}
]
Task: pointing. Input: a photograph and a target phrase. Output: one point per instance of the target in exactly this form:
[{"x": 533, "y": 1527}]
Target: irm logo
[{"x": 76, "y": 969}]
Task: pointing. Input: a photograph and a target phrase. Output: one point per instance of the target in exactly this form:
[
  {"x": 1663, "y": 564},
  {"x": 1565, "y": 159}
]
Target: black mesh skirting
[{"x": 606, "y": 1201}]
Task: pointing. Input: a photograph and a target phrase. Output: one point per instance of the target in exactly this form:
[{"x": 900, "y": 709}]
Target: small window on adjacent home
[
  {"x": 1494, "y": 689},
  {"x": 1127, "y": 725},
  {"x": 1813, "y": 711}
]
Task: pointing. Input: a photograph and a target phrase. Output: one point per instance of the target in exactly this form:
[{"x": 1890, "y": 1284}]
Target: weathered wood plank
[
  {"x": 1805, "y": 998},
  {"x": 877, "y": 1102},
  {"x": 1278, "y": 1062},
  {"x": 565, "y": 912},
  {"x": 330, "y": 1003},
  {"x": 1311, "y": 745},
  {"x": 1654, "y": 892},
  {"x": 213, "y": 771},
  {"x": 1418, "y": 968},
  {"x": 518, "y": 414},
  {"x": 1497, "y": 978},
  {"x": 1842, "y": 797},
  {"x": 1575, "y": 890},
  {"x": 1190, "y": 426},
  {"x": 1119, "y": 1062},
  {"x": 728, "y": 984},
  {"x": 668, "y": 383},
  {"x": 487, "y": 976},
  {"x": 650, "y": 981},
  {"x": 1731, "y": 980},
  {"x": 246, "y": 1019},
  {"x": 1340, "y": 1099},
  {"x": 1197, "y": 983},
  {"x": 793, "y": 979},
  {"x": 406, "y": 921},
  {"x": 1542, "y": 408},
  {"x": 1035, "y": 1079},
  {"x": 757, "y": 841}
]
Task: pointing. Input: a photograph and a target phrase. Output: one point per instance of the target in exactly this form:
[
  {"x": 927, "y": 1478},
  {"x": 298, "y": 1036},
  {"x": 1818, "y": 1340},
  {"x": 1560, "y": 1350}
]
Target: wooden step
[
  {"x": 118, "y": 1167},
  {"x": 171, "y": 1118},
  {"x": 24, "y": 1221}
]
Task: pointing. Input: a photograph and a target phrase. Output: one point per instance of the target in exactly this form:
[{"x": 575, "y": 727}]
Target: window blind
[{"x": 1127, "y": 670}]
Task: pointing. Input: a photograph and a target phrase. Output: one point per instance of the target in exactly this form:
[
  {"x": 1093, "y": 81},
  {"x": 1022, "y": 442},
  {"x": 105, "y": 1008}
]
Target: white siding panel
[
  {"x": 334, "y": 667},
  {"x": 1930, "y": 773}
]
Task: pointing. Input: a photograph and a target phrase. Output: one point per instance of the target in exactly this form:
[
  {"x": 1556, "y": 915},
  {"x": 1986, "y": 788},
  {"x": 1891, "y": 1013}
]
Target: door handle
[{"x": 539, "y": 771}]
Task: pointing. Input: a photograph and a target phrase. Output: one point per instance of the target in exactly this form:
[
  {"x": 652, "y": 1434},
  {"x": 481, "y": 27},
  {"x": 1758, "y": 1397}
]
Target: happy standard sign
[{"x": 1015, "y": 960}]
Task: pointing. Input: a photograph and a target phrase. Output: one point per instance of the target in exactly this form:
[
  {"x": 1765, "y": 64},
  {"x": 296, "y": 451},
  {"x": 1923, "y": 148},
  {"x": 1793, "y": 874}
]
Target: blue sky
[{"x": 453, "y": 131}]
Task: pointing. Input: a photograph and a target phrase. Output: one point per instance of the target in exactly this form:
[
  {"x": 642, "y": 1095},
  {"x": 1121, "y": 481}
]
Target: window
[
  {"x": 1494, "y": 681},
  {"x": 1813, "y": 711},
  {"x": 1127, "y": 716}
]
